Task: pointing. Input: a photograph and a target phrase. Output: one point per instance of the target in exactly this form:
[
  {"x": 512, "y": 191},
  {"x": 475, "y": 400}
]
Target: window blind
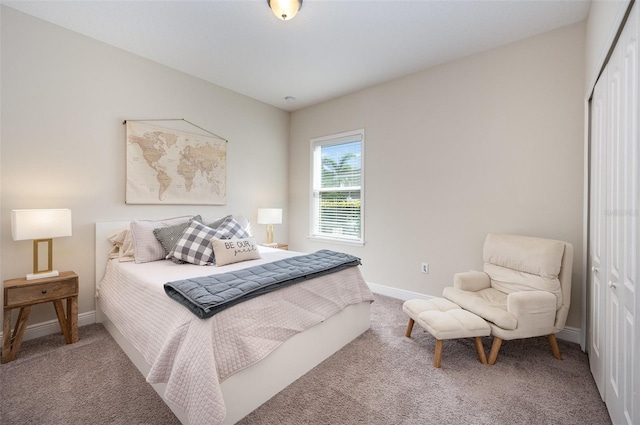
[{"x": 337, "y": 187}]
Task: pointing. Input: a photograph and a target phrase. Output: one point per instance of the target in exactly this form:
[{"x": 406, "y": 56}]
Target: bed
[{"x": 214, "y": 379}]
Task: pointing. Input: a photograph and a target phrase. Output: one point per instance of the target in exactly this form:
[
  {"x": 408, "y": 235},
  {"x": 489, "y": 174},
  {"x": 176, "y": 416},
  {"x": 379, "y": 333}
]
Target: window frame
[{"x": 332, "y": 140}]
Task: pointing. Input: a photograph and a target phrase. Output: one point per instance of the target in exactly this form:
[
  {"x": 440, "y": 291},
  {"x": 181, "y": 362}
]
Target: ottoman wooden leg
[
  {"x": 480, "y": 348},
  {"x": 409, "y": 328},
  {"x": 438, "y": 357}
]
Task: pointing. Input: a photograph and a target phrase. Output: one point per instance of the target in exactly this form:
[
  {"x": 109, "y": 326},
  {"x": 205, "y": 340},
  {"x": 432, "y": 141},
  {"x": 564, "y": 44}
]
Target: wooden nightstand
[{"x": 22, "y": 293}]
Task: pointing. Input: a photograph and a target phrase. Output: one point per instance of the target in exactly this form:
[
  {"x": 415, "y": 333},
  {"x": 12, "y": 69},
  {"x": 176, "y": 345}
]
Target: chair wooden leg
[
  {"x": 409, "y": 328},
  {"x": 480, "y": 349},
  {"x": 495, "y": 347},
  {"x": 555, "y": 350},
  {"x": 438, "y": 356}
]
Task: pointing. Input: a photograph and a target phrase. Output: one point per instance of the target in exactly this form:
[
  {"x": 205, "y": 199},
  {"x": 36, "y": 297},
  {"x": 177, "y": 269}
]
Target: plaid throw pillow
[
  {"x": 230, "y": 228},
  {"x": 194, "y": 245}
]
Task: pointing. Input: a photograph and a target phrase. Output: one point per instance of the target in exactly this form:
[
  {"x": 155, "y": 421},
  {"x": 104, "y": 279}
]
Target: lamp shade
[
  {"x": 40, "y": 224},
  {"x": 269, "y": 216}
]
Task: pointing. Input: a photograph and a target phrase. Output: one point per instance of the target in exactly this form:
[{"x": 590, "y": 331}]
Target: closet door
[
  {"x": 614, "y": 236},
  {"x": 597, "y": 232},
  {"x": 622, "y": 228},
  {"x": 614, "y": 232},
  {"x": 627, "y": 286}
]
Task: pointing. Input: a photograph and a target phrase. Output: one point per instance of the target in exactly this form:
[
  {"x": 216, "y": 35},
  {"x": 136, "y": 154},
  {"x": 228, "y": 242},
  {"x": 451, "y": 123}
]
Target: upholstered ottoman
[{"x": 446, "y": 320}]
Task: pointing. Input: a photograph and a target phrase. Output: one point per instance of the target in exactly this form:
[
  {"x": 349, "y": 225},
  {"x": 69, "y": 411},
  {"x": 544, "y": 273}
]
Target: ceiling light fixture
[{"x": 285, "y": 9}]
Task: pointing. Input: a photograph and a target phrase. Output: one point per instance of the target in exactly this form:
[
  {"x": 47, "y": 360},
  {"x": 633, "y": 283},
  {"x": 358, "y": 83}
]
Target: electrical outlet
[{"x": 425, "y": 268}]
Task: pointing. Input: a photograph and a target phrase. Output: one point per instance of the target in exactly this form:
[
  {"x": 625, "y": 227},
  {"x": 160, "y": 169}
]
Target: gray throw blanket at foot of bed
[{"x": 208, "y": 295}]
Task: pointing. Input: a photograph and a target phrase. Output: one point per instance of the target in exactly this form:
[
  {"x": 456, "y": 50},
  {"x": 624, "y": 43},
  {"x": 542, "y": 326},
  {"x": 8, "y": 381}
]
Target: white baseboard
[
  {"x": 567, "y": 334},
  {"x": 401, "y": 294},
  {"x": 52, "y": 326},
  {"x": 570, "y": 334}
]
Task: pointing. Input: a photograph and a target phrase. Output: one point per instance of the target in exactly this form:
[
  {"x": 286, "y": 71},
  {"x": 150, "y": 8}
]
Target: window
[{"x": 338, "y": 187}]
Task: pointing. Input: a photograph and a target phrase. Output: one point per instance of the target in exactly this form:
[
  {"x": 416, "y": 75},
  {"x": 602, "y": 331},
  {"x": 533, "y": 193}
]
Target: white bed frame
[{"x": 247, "y": 389}]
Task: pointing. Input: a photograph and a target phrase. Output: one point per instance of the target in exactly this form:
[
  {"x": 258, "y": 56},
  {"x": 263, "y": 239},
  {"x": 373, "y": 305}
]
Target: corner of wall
[{"x": 603, "y": 21}]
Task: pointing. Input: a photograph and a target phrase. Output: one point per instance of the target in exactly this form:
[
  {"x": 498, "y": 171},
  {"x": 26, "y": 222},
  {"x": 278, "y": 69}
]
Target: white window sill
[{"x": 339, "y": 241}]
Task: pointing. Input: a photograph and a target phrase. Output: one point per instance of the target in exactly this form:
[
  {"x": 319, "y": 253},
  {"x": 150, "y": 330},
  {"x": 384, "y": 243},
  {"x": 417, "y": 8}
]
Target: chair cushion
[
  {"x": 490, "y": 304},
  {"x": 510, "y": 281},
  {"x": 542, "y": 257},
  {"x": 522, "y": 263}
]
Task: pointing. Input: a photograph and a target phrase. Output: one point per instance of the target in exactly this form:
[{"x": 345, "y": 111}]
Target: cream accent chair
[{"x": 524, "y": 290}]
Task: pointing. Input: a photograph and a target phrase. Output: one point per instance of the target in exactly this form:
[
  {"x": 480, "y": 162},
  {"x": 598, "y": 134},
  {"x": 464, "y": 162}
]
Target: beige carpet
[
  {"x": 89, "y": 382},
  {"x": 381, "y": 378}
]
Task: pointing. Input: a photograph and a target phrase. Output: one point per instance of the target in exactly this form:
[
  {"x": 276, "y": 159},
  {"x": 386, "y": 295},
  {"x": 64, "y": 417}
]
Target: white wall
[
  {"x": 488, "y": 143},
  {"x": 64, "y": 97}
]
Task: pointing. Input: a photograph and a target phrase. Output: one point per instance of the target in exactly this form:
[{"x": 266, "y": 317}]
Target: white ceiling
[{"x": 332, "y": 47}]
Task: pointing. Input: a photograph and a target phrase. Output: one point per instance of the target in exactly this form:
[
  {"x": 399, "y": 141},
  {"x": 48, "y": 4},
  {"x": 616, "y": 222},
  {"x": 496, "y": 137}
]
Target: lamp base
[
  {"x": 269, "y": 233},
  {"x": 52, "y": 273}
]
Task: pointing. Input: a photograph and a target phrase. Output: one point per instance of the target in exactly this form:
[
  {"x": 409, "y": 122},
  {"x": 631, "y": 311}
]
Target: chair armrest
[
  {"x": 471, "y": 281},
  {"x": 532, "y": 309}
]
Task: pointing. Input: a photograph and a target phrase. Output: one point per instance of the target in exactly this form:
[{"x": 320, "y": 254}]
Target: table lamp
[
  {"x": 269, "y": 216},
  {"x": 41, "y": 225}
]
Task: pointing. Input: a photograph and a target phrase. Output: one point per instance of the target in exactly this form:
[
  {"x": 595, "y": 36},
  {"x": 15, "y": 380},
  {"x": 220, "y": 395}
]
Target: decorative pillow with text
[{"x": 228, "y": 251}]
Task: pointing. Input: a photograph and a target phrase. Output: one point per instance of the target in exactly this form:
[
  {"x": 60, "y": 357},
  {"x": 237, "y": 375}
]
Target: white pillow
[
  {"x": 145, "y": 245},
  {"x": 228, "y": 251},
  {"x": 122, "y": 245},
  {"x": 127, "y": 252},
  {"x": 117, "y": 238}
]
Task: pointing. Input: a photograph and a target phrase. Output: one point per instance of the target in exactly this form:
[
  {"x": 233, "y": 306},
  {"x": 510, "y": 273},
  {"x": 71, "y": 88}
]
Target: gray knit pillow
[{"x": 169, "y": 236}]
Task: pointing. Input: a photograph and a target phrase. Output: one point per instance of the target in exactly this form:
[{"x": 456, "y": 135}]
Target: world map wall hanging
[{"x": 169, "y": 166}]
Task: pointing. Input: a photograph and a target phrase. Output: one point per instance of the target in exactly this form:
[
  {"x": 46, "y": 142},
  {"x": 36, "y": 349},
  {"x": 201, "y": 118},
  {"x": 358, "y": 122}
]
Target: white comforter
[{"x": 192, "y": 356}]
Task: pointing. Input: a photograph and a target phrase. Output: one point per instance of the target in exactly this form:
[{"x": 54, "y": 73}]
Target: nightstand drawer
[{"x": 39, "y": 293}]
